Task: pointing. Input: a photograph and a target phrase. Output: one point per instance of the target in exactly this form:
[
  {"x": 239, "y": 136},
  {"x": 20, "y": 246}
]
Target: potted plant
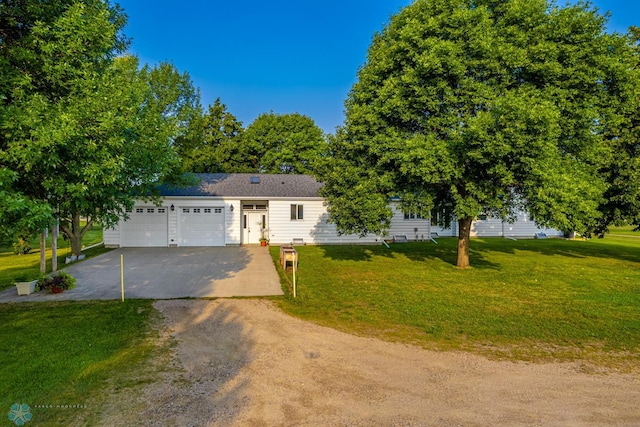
[
  {"x": 24, "y": 286},
  {"x": 264, "y": 241},
  {"x": 59, "y": 282}
]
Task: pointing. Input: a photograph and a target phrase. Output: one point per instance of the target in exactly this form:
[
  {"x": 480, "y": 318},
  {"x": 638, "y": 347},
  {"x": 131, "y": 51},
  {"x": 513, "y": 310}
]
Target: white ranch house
[{"x": 229, "y": 209}]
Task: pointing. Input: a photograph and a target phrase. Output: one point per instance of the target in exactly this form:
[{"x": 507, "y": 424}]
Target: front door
[{"x": 252, "y": 226}]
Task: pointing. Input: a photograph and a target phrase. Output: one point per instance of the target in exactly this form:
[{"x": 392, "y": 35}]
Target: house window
[
  {"x": 161, "y": 210},
  {"x": 217, "y": 210},
  {"x": 185, "y": 210},
  {"x": 196, "y": 210},
  {"x": 440, "y": 217},
  {"x": 150, "y": 210},
  {"x": 207, "y": 210},
  {"x": 297, "y": 212},
  {"x": 410, "y": 216},
  {"x": 139, "y": 210}
]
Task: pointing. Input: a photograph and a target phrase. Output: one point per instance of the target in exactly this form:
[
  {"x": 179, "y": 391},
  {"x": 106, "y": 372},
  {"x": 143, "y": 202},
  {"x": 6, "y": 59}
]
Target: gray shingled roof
[{"x": 239, "y": 185}]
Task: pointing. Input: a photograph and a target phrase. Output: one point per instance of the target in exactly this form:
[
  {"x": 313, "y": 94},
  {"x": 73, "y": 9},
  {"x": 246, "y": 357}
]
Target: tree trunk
[
  {"x": 464, "y": 231},
  {"x": 54, "y": 246},
  {"x": 43, "y": 252},
  {"x": 75, "y": 233}
]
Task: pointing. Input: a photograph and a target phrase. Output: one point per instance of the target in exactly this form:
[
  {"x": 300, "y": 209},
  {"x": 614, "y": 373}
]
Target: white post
[
  {"x": 122, "y": 275},
  {"x": 54, "y": 246}
]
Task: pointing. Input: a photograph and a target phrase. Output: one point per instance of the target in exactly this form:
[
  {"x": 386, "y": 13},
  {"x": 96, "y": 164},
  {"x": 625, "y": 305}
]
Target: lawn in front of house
[
  {"x": 12, "y": 265},
  {"x": 64, "y": 359},
  {"x": 548, "y": 299},
  {"x": 625, "y": 230}
]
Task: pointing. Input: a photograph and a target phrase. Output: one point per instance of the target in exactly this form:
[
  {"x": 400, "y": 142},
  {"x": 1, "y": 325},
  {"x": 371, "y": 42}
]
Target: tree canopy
[
  {"x": 272, "y": 143},
  {"x": 283, "y": 143},
  {"x": 483, "y": 107},
  {"x": 86, "y": 131},
  {"x": 212, "y": 142}
]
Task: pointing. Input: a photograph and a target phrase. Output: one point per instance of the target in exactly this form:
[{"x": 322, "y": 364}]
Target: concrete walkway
[{"x": 164, "y": 273}]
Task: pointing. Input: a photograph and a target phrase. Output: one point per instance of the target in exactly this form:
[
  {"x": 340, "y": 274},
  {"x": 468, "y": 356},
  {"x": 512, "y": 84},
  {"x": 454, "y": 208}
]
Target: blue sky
[{"x": 282, "y": 56}]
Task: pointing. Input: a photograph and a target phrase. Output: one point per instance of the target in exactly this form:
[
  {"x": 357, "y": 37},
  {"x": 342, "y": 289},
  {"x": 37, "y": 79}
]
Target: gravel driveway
[{"x": 245, "y": 363}]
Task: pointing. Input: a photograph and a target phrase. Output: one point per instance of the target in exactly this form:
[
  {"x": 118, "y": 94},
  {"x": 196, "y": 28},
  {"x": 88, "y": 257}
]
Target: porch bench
[{"x": 400, "y": 238}]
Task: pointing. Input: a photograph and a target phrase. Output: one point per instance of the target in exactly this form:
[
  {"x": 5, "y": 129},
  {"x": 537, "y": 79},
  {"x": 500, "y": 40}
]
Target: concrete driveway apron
[{"x": 164, "y": 273}]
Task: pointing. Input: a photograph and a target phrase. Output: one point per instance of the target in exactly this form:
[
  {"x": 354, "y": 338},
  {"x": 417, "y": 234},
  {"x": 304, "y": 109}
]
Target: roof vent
[{"x": 255, "y": 180}]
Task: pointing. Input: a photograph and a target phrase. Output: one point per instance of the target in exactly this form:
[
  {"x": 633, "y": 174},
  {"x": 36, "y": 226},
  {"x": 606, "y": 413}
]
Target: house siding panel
[
  {"x": 408, "y": 227},
  {"x": 489, "y": 227},
  {"x": 313, "y": 228},
  {"x": 280, "y": 192},
  {"x": 111, "y": 237}
]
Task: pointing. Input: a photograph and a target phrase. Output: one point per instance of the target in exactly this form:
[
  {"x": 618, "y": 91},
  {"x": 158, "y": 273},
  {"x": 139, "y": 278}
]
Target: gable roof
[{"x": 240, "y": 185}]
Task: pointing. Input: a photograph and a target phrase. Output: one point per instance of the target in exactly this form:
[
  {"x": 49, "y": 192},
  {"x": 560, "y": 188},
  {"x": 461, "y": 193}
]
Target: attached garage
[
  {"x": 201, "y": 226},
  {"x": 146, "y": 226}
]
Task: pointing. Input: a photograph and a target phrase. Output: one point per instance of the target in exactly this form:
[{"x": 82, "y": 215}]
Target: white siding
[
  {"x": 422, "y": 228},
  {"x": 313, "y": 228},
  {"x": 111, "y": 237},
  {"x": 446, "y": 232},
  {"x": 414, "y": 229},
  {"x": 523, "y": 227},
  {"x": 233, "y": 222},
  {"x": 489, "y": 227}
]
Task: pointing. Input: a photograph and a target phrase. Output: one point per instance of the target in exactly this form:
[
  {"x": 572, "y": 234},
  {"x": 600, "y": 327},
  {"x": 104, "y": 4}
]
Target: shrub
[
  {"x": 21, "y": 247},
  {"x": 60, "y": 280}
]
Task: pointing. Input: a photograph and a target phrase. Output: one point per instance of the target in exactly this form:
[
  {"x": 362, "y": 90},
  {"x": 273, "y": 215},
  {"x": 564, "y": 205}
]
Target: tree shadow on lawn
[
  {"x": 444, "y": 251},
  {"x": 480, "y": 249},
  {"x": 213, "y": 346},
  {"x": 578, "y": 249}
]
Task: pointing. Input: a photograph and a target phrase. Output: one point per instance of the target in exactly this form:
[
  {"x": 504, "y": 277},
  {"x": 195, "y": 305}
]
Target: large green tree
[
  {"x": 212, "y": 142},
  {"x": 622, "y": 198},
  {"x": 19, "y": 214},
  {"x": 44, "y": 46},
  {"x": 282, "y": 143},
  {"x": 85, "y": 131},
  {"x": 482, "y": 107}
]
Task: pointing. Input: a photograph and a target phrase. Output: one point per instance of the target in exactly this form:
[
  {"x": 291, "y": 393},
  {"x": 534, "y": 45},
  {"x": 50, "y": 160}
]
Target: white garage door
[
  {"x": 145, "y": 227},
  {"x": 202, "y": 227}
]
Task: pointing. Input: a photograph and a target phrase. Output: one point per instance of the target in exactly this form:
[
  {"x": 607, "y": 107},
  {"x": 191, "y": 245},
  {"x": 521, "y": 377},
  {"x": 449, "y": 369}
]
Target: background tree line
[{"x": 273, "y": 143}]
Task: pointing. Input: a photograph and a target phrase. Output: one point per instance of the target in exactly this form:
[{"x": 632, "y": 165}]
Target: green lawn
[
  {"x": 538, "y": 300},
  {"x": 627, "y": 230},
  {"x": 528, "y": 299},
  {"x": 73, "y": 353},
  {"x": 12, "y": 266}
]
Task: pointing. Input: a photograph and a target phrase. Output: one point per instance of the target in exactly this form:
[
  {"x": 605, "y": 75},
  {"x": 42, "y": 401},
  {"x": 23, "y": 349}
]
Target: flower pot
[
  {"x": 263, "y": 243},
  {"x": 26, "y": 288},
  {"x": 56, "y": 290}
]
